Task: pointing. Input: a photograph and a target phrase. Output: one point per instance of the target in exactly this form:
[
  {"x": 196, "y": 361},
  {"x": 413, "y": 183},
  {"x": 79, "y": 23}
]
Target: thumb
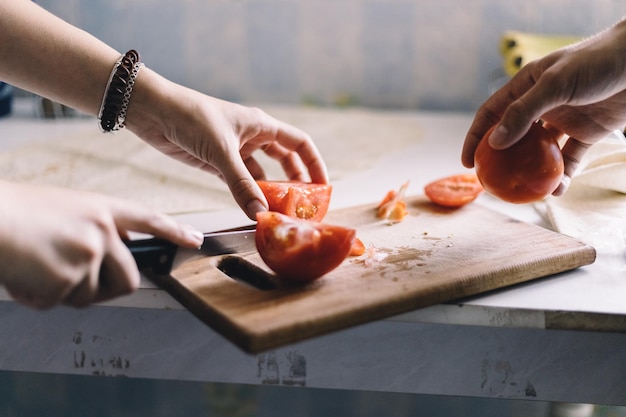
[
  {"x": 522, "y": 113},
  {"x": 244, "y": 188}
]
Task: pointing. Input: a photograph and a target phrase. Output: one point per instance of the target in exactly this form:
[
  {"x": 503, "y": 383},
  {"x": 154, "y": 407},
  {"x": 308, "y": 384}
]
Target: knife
[{"x": 161, "y": 255}]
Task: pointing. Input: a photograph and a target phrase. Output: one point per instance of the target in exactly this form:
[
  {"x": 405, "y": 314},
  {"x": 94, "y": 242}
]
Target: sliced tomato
[
  {"x": 358, "y": 248},
  {"x": 393, "y": 207},
  {"x": 454, "y": 191},
  {"x": 301, "y": 250},
  {"x": 302, "y": 200}
]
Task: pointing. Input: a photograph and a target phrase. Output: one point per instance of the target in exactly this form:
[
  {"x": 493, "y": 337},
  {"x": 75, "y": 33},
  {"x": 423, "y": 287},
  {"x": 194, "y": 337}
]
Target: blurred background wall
[{"x": 417, "y": 54}]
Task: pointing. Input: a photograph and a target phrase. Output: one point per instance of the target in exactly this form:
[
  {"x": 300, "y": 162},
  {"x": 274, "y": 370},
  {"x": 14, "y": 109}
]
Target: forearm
[{"x": 45, "y": 55}]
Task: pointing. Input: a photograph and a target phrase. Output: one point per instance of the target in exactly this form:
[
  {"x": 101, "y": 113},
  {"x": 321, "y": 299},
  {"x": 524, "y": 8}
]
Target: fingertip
[
  {"x": 467, "y": 159},
  {"x": 194, "y": 237},
  {"x": 321, "y": 179},
  {"x": 563, "y": 186},
  {"x": 499, "y": 138},
  {"x": 248, "y": 194},
  {"x": 253, "y": 207},
  {"x": 316, "y": 167}
]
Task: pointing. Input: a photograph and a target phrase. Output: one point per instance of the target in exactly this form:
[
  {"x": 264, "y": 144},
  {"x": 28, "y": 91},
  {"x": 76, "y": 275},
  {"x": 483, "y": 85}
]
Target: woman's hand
[
  {"x": 220, "y": 137},
  {"x": 579, "y": 90},
  {"x": 40, "y": 53},
  {"x": 61, "y": 246}
]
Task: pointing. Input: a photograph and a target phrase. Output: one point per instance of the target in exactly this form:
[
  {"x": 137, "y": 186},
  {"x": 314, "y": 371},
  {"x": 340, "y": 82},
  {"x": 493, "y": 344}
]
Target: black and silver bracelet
[{"x": 112, "y": 115}]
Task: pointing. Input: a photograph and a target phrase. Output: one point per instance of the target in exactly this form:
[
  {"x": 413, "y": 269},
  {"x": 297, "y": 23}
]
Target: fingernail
[
  {"x": 198, "y": 235},
  {"x": 253, "y": 207},
  {"x": 195, "y": 235},
  {"x": 499, "y": 137}
]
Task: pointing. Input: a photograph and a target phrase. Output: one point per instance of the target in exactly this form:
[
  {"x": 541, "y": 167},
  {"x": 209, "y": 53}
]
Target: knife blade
[{"x": 161, "y": 256}]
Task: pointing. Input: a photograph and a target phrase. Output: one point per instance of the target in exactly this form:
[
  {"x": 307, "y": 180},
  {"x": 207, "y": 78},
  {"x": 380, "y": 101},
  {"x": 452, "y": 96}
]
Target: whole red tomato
[
  {"x": 527, "y": 171},
  {"x": 301, "y": 250},
  {"x": 302, "y": 200}
]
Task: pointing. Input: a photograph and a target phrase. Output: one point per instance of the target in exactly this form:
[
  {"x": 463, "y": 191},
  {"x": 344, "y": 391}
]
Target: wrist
[{"x": 148, "y": 105}]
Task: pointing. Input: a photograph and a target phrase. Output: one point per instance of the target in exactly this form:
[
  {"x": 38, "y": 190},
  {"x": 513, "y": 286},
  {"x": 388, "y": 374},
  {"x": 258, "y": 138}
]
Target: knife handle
[{"x": 154, "y": 253}]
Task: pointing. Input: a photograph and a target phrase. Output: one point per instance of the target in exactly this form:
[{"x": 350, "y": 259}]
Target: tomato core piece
[
  {"x": 392, "y": 207},
  {"x": 526, "y": 172}
]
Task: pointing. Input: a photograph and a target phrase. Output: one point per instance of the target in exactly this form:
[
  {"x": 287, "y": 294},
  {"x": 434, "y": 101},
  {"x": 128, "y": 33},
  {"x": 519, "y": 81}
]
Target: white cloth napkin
[{"x": 593, "y": 210}]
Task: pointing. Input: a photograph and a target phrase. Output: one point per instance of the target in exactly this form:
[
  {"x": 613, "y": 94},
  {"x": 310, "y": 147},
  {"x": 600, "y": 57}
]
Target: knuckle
[
  {"x": 518, "y": 109},
  {"x": 262, "y": 122},
  {"x": 257, "y": 113},
  {"x": 100, "y": 228},
  {"x": 242, "y": 186},
  {"x": 90, "y": 246}
]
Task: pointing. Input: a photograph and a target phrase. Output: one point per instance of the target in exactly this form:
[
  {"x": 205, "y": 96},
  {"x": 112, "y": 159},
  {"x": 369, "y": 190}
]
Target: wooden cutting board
[{"x": 435, "y": 255}]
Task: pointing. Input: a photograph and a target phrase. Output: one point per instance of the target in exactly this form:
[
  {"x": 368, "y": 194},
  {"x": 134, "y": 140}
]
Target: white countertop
[{"x": 591, "y": 297}]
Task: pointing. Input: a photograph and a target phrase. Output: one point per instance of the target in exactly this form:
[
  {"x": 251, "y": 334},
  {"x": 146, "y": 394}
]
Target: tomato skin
[
  {"x": 302, "y": 200},
  {"x": 454, "y": 191},
  {"x": 527, "y": 171},
  {"x": 301, "y": 250}
]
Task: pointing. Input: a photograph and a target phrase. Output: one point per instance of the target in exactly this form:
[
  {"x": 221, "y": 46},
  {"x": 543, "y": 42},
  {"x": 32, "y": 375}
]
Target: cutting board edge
[
  {"x": 216, "y": 321},
  {"x": 259, "y": 342},
  {"x": 247, "y": 339}
]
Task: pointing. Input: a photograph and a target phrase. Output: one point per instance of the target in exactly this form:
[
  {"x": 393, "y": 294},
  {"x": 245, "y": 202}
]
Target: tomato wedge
[
  {"x": 301, "y": 250},
  {"x": 454, "y": 191},
  {"x": 302, "y": 200},
  {"x": 357, "y": 248}
]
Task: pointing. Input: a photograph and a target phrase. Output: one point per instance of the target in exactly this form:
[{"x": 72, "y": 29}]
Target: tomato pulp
[
  {"x": 527, "y": 171},
  {"x": 302, "y": 200},
  {"x": 301, "y": 250},
  {"x": 454, "y": 191}
]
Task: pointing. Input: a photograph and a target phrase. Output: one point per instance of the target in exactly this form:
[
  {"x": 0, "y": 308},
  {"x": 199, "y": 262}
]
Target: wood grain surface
[{"x": 435, "y": 255}]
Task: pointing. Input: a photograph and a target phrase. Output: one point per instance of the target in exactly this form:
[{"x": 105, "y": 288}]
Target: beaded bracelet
[{"x": 112, "y": 115}]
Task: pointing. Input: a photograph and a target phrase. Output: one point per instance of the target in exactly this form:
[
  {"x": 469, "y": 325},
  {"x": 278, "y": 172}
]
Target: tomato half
[
  {"x": 454, "y": 191},
  {"x": 302, "y": 200},
  {"x": 301, "y": 250},
  {"x": 527, "y": 171}
]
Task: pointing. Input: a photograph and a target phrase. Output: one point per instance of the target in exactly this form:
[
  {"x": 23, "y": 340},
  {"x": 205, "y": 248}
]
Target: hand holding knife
[{"x": 161, "y": 256}]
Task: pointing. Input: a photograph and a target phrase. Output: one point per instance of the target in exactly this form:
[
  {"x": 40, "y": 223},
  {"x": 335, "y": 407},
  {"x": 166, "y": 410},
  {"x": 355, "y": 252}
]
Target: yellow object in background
[{"x": 519, "y": 48}]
